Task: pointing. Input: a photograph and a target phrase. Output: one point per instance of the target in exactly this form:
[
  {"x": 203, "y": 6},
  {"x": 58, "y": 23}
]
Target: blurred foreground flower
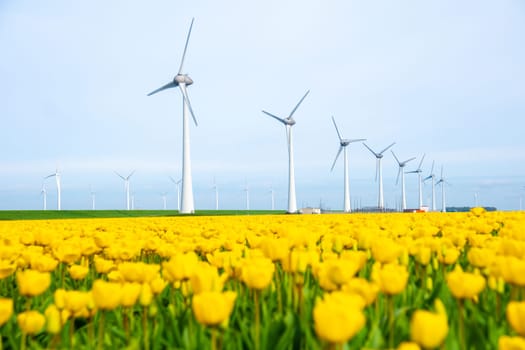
[
  {"x": 30, "y": 322},
  {"x": 213, "y": 308},
  {"x": 6, "y": 310},
  {"x": 429, "y": 329},
  {"x": 32, "y": 283},
  {"x": 516, "y": 316}
]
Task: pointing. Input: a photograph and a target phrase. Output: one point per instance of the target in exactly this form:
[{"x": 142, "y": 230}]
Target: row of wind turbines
[
  {"x": 186, "y": 201},
  {"x": 182, "y": 81}
]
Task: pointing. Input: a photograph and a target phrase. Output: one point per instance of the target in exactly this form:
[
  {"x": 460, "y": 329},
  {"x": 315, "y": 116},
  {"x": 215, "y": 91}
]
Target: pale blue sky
[{"x": 445, "y": 78}]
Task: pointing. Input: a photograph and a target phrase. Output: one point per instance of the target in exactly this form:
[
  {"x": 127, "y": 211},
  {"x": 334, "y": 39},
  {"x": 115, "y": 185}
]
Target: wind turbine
[
  {"x": 164, "y": 195},
  {"x": 92, "y": 197},
  {"x": 442, "y": 182},
  {"x": 343, "y": 143},
  {"x": 182, "y": 80},
  {"x": 288, "y": 123},
  {"x": 59, "y": 191},
  {"x": 215, "y": 188},
  {"x": 44, "y": 195},
  {"x": 418, "y": 171},
  {"x": 379, "y": 173},
  {"x": 432, "y": 176},
  {"x": 247, "y": 190},
  {"x": 177, "y": 183},
  {"x": 126, "y": 187},
  {"x": 402, "y": 173}
]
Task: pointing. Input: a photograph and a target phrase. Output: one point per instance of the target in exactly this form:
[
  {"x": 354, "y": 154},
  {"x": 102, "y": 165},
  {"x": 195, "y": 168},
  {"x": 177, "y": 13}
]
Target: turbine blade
[
  {"x": 432, "y": 169},
  {"x": 408, "y": 160},
  {"x": 397, "y": 160},
  {"x": 48, "y": 176},
  {"x": 355, "y": 140},
  {"x": 383, "y": 151},
  {"x": 398, "y": 172},
  {"x": 167, "y": 86},
  {"x": 276, "y": 117},
  {"x": 133, "y": 172},
  {"x": 426, "y": 178},
  {"x": 421, "y": 162},
  {"x": 374, "y": 153},
  {"x": 122, "y": 177},
  {"x": 442, "y": 172},
  {"x": 186, "y": 47},
  {"x": 336, "y": 129},
  {"x": 336, "y": 156},
  {"x": 187, "y": 102},
  {"x": 293, "y": 111}
]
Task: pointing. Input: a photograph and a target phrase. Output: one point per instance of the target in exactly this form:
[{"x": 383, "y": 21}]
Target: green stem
[
  {"x": 213, "y": 338},
  {"x": 145, "y": 327},
  {"x": 100, "y": 344},
  {"x": 71, "y": 333},
  {"x": 279, "y": 292},
  {"x": 257, "y": 319},
  {"x": 461, "y": 325},
  {"x": 23, "y": 342},
  {"x": 391, "y": 321}
]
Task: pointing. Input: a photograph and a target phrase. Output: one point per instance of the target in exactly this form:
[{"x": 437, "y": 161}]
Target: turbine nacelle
[{"x": 182, "y": 79}]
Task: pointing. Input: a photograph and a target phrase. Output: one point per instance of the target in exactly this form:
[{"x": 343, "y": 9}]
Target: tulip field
[{"x": 334, "y": 281}]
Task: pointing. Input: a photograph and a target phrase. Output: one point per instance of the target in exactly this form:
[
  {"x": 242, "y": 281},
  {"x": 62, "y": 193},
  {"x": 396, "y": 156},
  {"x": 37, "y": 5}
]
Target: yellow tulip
[
  {"x": 257, "y": 273},
  {"x": 465, "y": 285},
  {"x": 213, "y": 308},
  {"x": 428, "y": 329},
  {"x": 206, "y": 278},
  {"x": 179, "y": 267},
  {"x": 32, "y": 283},
  {"x": 511, "y": 343},
  {"x": 384, "y": 250},
  {"x": 138, "y": 271},
  {"x": 392, "y": 278},
  {"x": 408, "y": 346},
  {"x": 146, "y": 294},
  {"x": 130, "y": 294},
  {"x": 6, "y": 268},
  {"x": 78, "y": 272},
  {"x": 106, "y": 295},
  {"x": 30, "y": 322},
  {"x": 158, "y": 284},
  {"x": 43, "y": 263},
  {"x": 334, "y": 321},
  {"x": 516, "y": 316},
  {"x": 368, "y": 290},
  {"x": 6, "y": 310},
  {"x": 53, "y": 319},
  {"x": 334, "y": 273},
  {"x": 275, "y": 249},
  {"x": 103, "y": 265}
]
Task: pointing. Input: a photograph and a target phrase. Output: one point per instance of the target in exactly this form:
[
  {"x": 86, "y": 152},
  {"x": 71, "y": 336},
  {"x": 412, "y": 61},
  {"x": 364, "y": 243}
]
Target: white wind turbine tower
[
  {"x": 59, "y": 190},
  {"x": 247, "y": 190},
  {"x": 182, "y": 80},
  {"x": 379, "y": 173},
  {"x": 177, "y": 183},
  {"x": 92, "y": 193},
  {"x": 126, "y": 187},
  {"x": 442, "y": 182},
  {"x": 432, "y": 177},
  {"x": 164, "y": 199},
  {"x": 418, "y": 171},
  {"x": 402, "y": 173},
  {"x": 288, "y": 123},
  {"x": 343, "y": 143},
  {"x": 216, "y": 190},
  {"x": 44, "y": 196}
]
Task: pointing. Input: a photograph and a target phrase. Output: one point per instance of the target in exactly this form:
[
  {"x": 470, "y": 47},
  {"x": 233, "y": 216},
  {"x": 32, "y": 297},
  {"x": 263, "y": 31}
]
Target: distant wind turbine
[
  {"x": 126, "y": 187},
  {"x": 402, "y": 173},
  {"x": 59, "y": 191},
  {"x": 432, "y": 177},
  {"x": 418, "y": 171},
  {"x": 44, "y": 196},
  {"x": 164, "y": 200},
  {"x": 288, "y": 123},
  {"x": 182, "y": 80},
  {"x": 379, "y": 172},
  {"x": 442, "y": 182},
  {"x": 92, "y": 193},
  {"x": 177, "y": 183},
  {"x": 215, "y": 188},
  {"x": 342, "y": 147},
  {"x": 247, "y": 190}
]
